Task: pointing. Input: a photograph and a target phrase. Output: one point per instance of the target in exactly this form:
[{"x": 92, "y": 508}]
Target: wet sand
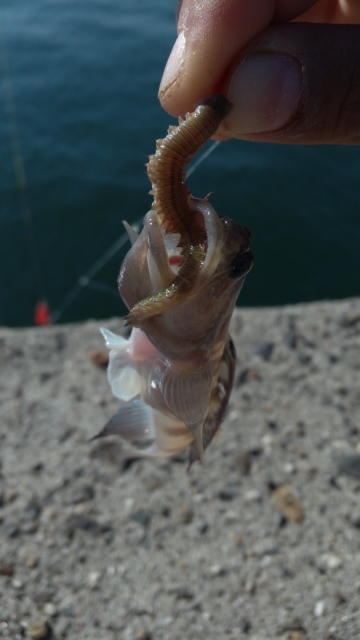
[{"x": 261, "y": 542}]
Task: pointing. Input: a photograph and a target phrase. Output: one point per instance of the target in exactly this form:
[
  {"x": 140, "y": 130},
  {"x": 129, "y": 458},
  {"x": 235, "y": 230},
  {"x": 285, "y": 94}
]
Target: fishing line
[
  {"x": 203, "y": 157},
  {"x": 86, "y": 279},
  {"x": 19, "y": 165}
]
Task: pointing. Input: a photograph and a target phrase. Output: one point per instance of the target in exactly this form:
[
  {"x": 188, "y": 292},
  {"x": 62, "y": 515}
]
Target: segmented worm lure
[{"x": 180, "y": 281}]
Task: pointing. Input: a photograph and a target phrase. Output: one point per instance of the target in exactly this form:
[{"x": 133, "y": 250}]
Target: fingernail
[
  {"x": 266, "y": 93},
  {"x": 174, "y": 63}
]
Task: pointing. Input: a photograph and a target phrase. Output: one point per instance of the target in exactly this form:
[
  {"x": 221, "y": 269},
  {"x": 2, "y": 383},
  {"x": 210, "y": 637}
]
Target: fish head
[{"x": 202, "y": 314}]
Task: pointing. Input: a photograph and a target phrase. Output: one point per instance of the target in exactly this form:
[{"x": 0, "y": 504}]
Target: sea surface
[{"x": 79, "y": 111}]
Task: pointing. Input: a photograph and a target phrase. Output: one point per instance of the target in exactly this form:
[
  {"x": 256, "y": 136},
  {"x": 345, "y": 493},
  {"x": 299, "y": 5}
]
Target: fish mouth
[
  {"x": 178, "y": 247},
  {"x": 173, "y": 250},
  {"x": 178, "y": 264}
]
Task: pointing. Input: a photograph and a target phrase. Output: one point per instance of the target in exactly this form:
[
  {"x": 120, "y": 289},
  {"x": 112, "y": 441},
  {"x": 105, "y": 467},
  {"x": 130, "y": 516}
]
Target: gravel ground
[{"x": 262, "y": 542}]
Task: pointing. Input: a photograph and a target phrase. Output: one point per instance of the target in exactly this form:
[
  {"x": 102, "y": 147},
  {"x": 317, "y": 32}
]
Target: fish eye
[{"x": 242, "y": 264}]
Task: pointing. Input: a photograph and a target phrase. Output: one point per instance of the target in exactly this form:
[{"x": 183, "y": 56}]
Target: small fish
[{"x": 180, "y": 281}]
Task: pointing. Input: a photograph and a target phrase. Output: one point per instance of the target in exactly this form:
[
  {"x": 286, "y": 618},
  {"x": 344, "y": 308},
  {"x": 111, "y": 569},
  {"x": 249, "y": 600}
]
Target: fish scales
[{"x": 180, "y": 281}]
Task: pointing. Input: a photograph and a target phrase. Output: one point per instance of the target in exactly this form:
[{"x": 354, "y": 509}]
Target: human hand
[{"x": 291, "y": 68}]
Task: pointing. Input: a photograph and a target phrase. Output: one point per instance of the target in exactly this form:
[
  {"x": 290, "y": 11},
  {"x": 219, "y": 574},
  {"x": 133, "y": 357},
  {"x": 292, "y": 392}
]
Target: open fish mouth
[{"x": 174, "y": 252}]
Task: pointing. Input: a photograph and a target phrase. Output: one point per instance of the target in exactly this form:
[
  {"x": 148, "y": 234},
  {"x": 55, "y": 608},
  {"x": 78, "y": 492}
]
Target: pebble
[
  {"x": 49, "y": 609},
  {"x": 266, "y": 561},
  {"x": 7, "y": 570},
  {"x": 33, "y": 509},
  {"x": 267, "y": 442},
  {"x": 182, "y": 593},
  {"x": 42, "y": 597},
  {"x": 29, "y": 527},
  {"x": 237, "y": 539},
  {"x": 217, "y": 570},
  {"x": 356, "y": 522},
  {"x": 97, "y": 399},
  {"x": 289, "y": 468},
  {"x": 129, "y": 503},
  {"x": 39, "y": 630},
  {"x": 288, "y": 503},
  {"x": 48, "y": 514},
  {"x": 32, "y": 561},
  {"x": 291, "y": 624},
  {"x": 265, "y": 546},
  {"x": 265, "y": 350},
  {"x": 11, "y": 495},
  {"x": 349, "y": 465},
  {"x": 290, "y": 339},
  {"x": 186, "y": 514},
  {"x": 93, "y": 579},
  {"x": 143, "y": 634},
  {"x": 330, "y": 561},
  {"x": 83, "y": 494},
  {"x": 142, "y": 517},
  {"x": 349, "y": 319},
  {"x": 100, "y": 358},
  {"x": 250, "y": 586},
  {"x": 245, "y": 625},
  {"x": 11, "y": 529},
  {"x": 244, "y": 462},
  {"x": 84, "y": 522},
  {"x": 252, "y": 496},
  {"x": 228, "y": 494},
  {"x": 247, "y": 375},
  {"x": 297, "y": 635},
  {"x": 319, "y": 608},
  {"x": 17, "y": 584}
]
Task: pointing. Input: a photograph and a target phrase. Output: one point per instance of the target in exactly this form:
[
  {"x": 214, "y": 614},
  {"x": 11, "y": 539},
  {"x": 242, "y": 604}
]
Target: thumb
[{"x": 296, "y": 83}]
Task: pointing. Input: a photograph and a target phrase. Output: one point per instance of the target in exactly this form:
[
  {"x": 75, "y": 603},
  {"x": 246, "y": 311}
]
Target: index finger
[{"x": 211, "y": 32}]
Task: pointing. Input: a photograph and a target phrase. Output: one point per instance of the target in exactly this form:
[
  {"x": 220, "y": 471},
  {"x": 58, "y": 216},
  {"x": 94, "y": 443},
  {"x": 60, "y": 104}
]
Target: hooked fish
[{"x": 180, "y": 281}]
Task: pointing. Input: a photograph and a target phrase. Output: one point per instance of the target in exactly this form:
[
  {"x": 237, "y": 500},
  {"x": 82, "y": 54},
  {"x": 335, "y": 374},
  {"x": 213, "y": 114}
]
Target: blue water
[{"x": 85, "y": 77}]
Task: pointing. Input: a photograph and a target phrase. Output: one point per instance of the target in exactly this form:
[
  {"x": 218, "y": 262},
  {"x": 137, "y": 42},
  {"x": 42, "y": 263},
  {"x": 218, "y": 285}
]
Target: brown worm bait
[
  {"x": 171, "y": 198},
  {"x": 180, "y": 281},
  {"x": 166, "y": 168}
]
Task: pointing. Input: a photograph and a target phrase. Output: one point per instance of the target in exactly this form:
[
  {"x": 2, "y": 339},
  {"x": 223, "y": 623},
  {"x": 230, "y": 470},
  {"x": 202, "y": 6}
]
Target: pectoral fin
[
  {"x": 124, "y": 378},
  {"x": 123, "y": 375},
  {"x": 111, "y": 339},
  {"x": 133, "y": 422},
  {"x": 187, "y": 395},
  {"x": 138, "y": 423}
]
